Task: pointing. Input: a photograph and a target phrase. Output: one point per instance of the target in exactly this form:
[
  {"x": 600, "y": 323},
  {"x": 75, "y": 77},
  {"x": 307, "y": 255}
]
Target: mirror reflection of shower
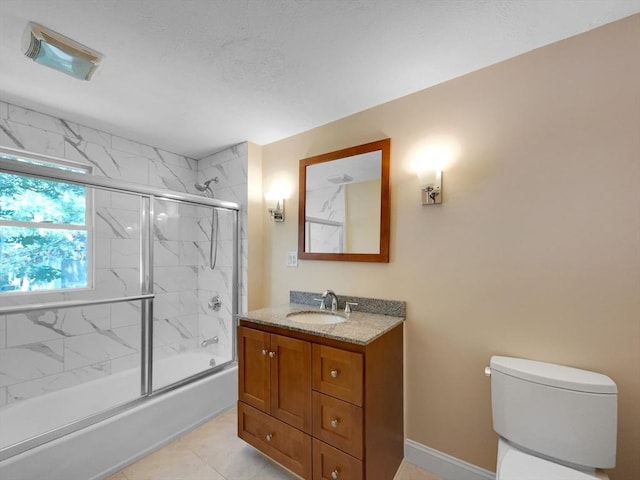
[{"x": 213, "y": 243}]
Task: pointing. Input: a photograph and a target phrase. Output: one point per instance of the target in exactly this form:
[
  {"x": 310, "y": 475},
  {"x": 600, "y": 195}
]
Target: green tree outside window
[{"x": 44, "y": 234}]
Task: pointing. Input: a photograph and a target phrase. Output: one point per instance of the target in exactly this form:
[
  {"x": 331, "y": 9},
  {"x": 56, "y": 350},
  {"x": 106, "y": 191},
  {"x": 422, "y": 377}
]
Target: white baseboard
[{"x": 443, "y": 465}]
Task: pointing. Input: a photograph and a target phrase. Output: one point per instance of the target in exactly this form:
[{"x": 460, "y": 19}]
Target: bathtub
[{"x": 105, "y": 447}]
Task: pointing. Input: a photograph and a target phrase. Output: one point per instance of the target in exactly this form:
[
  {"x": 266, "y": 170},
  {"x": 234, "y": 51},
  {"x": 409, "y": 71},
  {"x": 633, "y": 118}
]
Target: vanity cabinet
[{"x": 324, "y": 409}]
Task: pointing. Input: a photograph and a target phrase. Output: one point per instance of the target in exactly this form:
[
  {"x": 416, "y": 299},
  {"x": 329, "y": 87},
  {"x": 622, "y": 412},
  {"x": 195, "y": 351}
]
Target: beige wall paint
[
  {"x": 254, "y": 234},
  {"x": 535, "y": 251}
]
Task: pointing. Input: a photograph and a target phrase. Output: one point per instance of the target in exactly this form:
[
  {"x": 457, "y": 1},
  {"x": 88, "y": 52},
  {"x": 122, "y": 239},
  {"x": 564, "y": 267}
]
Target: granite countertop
[{"x": 360, "y": 328}]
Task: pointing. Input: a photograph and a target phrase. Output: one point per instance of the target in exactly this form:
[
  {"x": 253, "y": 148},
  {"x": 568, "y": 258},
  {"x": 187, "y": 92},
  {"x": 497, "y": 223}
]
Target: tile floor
[{"x": 214, "y": 452}]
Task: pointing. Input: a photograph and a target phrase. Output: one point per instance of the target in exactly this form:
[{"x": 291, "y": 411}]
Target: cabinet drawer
[
  {"x": 286, "y": 445},
  {"x": 331, "y": 464},
  {"x": 338, "y": 373},
  {"x": 338, "y": 423}
]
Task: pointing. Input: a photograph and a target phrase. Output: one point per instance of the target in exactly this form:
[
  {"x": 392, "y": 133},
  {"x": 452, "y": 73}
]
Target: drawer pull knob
[
  {"x": 269, "y": 437},
  {"x": 334, "y": 422},
  {"x": 335, "y": 475},
  {"x": 272, "y": 354},
  {"x": 334, "y": 373},
  {"x": 265, "y": 351}
]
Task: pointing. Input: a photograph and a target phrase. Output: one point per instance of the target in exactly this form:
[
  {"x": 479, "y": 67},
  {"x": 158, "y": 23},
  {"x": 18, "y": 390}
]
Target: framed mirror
[{"x": 344, "y": 210}]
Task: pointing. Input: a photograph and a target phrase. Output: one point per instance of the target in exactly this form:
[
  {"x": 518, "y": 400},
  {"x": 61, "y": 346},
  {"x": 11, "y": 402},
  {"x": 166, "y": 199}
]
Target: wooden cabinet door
[
  {"x": 254, "y": 368},
  {"x": 291, "y": 381}
]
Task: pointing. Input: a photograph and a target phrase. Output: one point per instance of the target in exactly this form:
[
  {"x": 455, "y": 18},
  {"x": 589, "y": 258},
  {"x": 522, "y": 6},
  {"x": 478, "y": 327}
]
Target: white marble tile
[
  {"x": 169, "y": 331},
  {"x": 20, "y": 136},
  {"x": 4, "y": 110},
  {"x": 125, "y": 314},
  {"x": 102, "y": 252},
  {"x": 128, "y": 362},
  {"x": 83, "y": 350},
  {"x": 174, "y": 279},
  {"x": 177, "y": 160},
  {"x": 166, "y": 305},
  {"x": 192, "y": 211},
  {"x": 37, "y": 120},
  {"x": 55, "y": 382},
  {"x": 194, "y": 253},
  {"x": 200, "y": 229},
  {"x": 118, "y": 282},
  {"x": 171, "y": 177},
  {"x": 90, "y": 135},
  {"x": 3, "y": 392},
  {"x": 126, "y": 201},
  {"x": 33, "y": 327},
  {"x": 188, "y": 303},
  {"x": 3, "y": 331},
  {"x": 101, "y": 198},
  {"x": 31, "y": 361},
  {"x": 28, "y": 327},
  {"x": 169, "y": 227},
  {"x": 131, "y": 335},
  {"x": 220, "y": 279},
  {"x": 132, "y": 147},
  {"x": 96, "y": 156},
  {"x": 167, "y": 253},
  {"x": 117, "y": 223},
  {"x": 125, "y": 253},
  {"x": 239, "y": 150}
]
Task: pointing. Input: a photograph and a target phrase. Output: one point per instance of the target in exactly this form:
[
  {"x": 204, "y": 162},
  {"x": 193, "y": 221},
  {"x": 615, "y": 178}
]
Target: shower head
[{"x": 204, "y": 186}]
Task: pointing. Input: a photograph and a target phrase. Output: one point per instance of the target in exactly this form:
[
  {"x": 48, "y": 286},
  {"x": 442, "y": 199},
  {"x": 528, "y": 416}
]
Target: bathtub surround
[
  {"x": 519, "y": 259},
  {"x": 42, "y": 352},
  {"x": 104, "y": 448}
]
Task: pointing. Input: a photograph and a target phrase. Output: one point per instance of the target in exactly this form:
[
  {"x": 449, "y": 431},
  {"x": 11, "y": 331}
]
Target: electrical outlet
[{"x": 292, "y": 259}]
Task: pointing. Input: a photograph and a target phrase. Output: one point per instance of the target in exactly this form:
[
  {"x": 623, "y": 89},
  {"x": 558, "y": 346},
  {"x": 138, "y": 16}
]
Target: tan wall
[
  {"x": 255, "y": 212},
  {"x": 535, "y": 250}
]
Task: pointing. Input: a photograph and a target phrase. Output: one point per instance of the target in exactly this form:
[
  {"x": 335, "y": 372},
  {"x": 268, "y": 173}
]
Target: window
[{"x": 45, "y": 233}]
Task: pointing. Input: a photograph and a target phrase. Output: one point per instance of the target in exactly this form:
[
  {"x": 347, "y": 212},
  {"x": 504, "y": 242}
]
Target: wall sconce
[
  {"x": 431, "y": 186},
  {"x": 274, "y": 198},
  {"x": 277, "y": 211}
]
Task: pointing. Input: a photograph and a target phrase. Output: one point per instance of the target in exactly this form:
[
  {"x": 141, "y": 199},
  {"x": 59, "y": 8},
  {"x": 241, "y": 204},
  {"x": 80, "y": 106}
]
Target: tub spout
[{"x": 209, "y": 341}]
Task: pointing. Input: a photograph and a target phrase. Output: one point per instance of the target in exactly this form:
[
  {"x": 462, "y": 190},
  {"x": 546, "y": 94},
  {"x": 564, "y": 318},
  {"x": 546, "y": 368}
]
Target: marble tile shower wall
[
  {"x": 230, "y": 167},
  {"x": 46, "y": 351}
]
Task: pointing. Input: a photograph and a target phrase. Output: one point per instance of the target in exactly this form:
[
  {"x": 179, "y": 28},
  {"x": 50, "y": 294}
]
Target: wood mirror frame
[{"x": 382, "y": 256}]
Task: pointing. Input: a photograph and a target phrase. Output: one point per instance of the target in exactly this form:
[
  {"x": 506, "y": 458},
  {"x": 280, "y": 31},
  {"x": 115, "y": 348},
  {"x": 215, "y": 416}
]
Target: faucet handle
[
  {"x": 322, "y": 304},
  {"x": 347, "y": 308}
]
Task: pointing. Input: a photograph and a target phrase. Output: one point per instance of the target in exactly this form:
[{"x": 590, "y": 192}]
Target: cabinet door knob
[
  {"x": 272, "y": 354},
  {"x": 265, "y": 351},
  {"x": 269, "y": 437},
  {"x": 334, "y": 373},
  {"x": 335, "y": 475},
  {"x": 334, "y": 422}
]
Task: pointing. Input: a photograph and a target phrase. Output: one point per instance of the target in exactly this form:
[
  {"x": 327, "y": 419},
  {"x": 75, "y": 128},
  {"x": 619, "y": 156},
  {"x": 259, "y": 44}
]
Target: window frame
[{"x": 39, "y": 160}]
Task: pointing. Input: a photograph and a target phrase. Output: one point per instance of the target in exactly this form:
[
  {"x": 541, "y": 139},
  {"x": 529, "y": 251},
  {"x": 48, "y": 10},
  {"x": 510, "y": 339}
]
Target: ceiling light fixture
[{"x": 54, "y": 50}]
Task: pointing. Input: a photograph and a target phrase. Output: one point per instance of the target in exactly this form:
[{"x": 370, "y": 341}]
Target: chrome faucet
[{"x": 334, "y": 300}]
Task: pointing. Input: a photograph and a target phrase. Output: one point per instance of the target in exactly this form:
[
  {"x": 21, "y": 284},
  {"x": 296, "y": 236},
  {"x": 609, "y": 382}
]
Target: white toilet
[{"x": 554, "y": 422}]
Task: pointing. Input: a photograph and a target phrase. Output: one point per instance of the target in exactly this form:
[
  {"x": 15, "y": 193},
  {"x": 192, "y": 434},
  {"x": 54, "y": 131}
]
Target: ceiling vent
[{"x": 53, "y": 50}]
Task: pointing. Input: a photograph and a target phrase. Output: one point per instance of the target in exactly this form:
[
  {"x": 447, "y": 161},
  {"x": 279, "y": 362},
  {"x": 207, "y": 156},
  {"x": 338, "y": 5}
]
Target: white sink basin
[{"x": 316, "y": 318}]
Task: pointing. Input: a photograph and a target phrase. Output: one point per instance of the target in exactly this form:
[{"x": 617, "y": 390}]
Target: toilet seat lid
[{"x": 517, "y": 465}]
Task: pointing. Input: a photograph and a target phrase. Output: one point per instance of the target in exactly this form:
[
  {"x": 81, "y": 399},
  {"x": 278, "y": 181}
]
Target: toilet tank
[{"x": 564, "y": 413}]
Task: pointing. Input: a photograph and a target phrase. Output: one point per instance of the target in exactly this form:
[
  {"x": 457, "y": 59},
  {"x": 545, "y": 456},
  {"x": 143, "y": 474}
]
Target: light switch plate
[{"x": 292, "y": 259}]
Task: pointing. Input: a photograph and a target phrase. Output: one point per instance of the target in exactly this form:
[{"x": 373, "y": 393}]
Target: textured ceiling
[{"x": 196, "y": 76}]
